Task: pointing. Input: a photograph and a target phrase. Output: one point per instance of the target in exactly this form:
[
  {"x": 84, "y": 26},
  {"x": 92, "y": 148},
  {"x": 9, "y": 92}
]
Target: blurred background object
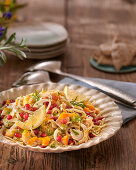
[{"x": 11, "y": 7}]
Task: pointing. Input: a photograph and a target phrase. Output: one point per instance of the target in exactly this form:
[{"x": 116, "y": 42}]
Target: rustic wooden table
[{"x": 89, "y": 23}]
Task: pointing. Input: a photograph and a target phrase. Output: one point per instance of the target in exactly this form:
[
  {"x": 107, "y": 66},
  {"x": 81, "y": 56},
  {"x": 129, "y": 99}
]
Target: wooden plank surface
[{"x": 89, "y": 23}]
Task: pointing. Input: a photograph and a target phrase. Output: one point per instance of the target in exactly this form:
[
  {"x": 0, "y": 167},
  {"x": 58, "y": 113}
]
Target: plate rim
[
  {"x": 44, "y": 45},
  {"x": 59, "y": 149}
]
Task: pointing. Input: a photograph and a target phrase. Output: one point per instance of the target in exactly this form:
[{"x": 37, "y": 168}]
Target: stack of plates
[{"x": 44, "y": 40}]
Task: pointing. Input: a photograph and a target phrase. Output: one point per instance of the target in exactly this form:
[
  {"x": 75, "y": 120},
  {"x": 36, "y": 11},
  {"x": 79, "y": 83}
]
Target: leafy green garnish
[
  {"x": 36, "y": 96},
  {"x": 8, "y": 112},
  {"x": 52, "y": 145},
  {"x": 80, "y": 104},
  {"x": 58, "y": 93},
  {"x": 76, "y": 118},
  {"x": 49, "y": 132},
  {"x": 75, "y": 132},
  {"x": 21, "y": 130}
]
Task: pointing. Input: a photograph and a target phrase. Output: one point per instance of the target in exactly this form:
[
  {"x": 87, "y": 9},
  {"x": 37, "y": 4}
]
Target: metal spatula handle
[{"x": 113, "y": 92}]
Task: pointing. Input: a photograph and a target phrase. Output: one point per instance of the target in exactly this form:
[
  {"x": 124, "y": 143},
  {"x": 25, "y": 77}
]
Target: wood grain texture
[{"x": 89, "y": 23}]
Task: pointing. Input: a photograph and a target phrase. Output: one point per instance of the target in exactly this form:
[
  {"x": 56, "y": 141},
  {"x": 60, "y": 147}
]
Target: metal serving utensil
[
  {"x": 55, "y": 67},
  {"x": 32, "y": 78}
]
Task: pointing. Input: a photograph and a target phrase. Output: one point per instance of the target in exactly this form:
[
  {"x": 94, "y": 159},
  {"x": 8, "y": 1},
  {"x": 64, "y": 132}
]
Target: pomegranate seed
[
  {"x": 52, "y": 106},
  {"x": 2, "y": 116},
  {"x": 43, "y": 134},
  {"x": 70, "y": 142},
  {"x": 46, "y": 103},
  {"x": 64, "y": 121},
  {"x": 91, "y": 135},
  {"x": 96, "y": 123},
  {"x": 33, "y": 108},
  {"x": 21, "y": 114},
  {"x": 18, "y": 135},
  {"x": 4, "y": 102},
  {"x": 58, "y": 107},
  {"x": 26, "y": 116},
  {"x": 49, "y": 112},
  {"x": 9, "y": 117},
  {"x": 99, "y": 118},
  {"x": 1, "y": 111},
  {"x": 42, "y": 146},
  {"x": 94, "y": 120},
  {"x": 36, "y": 131},
  {"x": 3, "y": 133},
  {"x": 68, "y": 107},
  {"x": 12, "y": 101},
  {"x": 54, "y": 118},
  {"x": 88, "y": 113},
  {"x": 0, "y": 123},
  {"x": 18, "y": 127},
  {"x": 27, "y": 107},
  {"x": 59, "y": 138}
]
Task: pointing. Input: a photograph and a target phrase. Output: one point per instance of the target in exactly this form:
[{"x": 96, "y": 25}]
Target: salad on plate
[{"x": 50, "y": 118}]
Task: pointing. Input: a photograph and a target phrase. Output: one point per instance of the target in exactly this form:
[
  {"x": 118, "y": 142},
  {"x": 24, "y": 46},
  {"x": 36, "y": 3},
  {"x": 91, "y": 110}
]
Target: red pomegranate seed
[
  {"x": 43, "y": 134},
  {"x": 64, "y": 121},
  {"x": 36, "y": 131},
  {"x": 1, "y": 123},
  {"x": 42, "y": 146},
  {"x": 4, "y": 102},
  {"x": 21, "y": 115},
  {"x": 59, "y": 138},
  {"x": 27, "y": 107},
  {"x": 54, "y": 118},
  {"x": 88, "y": 113},
  {"x": 46, "y": 103},
  {"x": 9, "y": 117},
  {"x": 99, "y": 118},
  {"x": 70, "y": 142},
  {"x": 12, "y": 101},
  {"x": 1, "y": 111},
  {"x": 49, "y": 112},
  {"x": 2, "y": 116},
  {"x": 33, "y": 108},
  {"x": 58, "y": 107},
  {"x": 52, "y": 106},
  {"x": 26, "y": 116},
  {"x": 91, "y": 135},
  {"x": 18, "y": 127},
  {"x": 18, "y": 135},
  {"x": 96, "y": 123},
  {"x": 3, "y": 133}
]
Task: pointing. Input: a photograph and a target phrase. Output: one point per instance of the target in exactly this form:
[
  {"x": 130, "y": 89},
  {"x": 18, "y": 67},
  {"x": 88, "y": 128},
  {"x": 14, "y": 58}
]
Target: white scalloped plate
[{"x": 111, "y": 112}]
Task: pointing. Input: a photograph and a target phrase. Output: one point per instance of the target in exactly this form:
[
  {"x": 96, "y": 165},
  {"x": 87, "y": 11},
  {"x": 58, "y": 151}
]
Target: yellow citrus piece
[
  {"x": 33, "y": 121},
  {"x": 73, "y": 94}
]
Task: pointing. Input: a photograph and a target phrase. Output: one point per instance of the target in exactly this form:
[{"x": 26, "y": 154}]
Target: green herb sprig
[
  {"x": 36, "y": 96},
  {"x": 75, "y": 132},
  {"x": 80, "y": 104}
]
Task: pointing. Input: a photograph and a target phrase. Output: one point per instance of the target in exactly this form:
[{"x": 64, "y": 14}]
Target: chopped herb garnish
[
  {"x": 36, "y": 96},
  {"x": 21, "y": 130},
  {"x": 80, "y": 104},
  {"x": 76, "y": 119},
  {"x": 58, "y": 93},
  {"x": 49, "y": 133},
  {"x": 8, "y": 112},
  {"x": 52, "y": 145},
  {"x": 75, "y": 132}
]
